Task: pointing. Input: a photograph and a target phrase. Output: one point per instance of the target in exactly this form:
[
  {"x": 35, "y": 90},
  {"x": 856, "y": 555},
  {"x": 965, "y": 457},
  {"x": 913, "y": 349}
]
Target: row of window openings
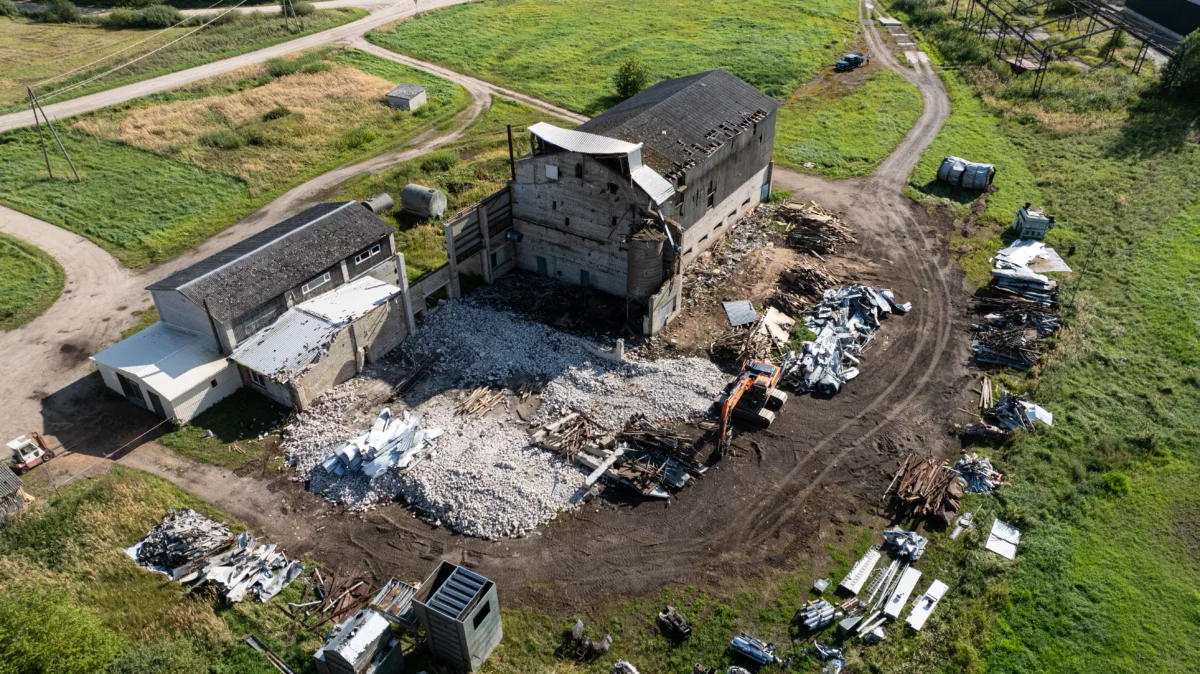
[{"x": 585, "y": 277}]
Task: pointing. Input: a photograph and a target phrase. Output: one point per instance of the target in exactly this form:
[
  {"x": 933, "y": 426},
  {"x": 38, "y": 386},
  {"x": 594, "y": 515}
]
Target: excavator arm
[{"x": 736, "y": 392}]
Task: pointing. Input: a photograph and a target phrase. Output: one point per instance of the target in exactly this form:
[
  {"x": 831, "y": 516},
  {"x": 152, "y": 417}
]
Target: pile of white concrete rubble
[{"x": 481, "y": 476}]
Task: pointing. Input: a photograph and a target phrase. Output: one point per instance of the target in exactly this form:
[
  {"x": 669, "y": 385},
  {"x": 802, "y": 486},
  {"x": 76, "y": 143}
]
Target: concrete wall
[
  {"x": 186, "y": 406},
  {"x": 189, "y": 405},
  {"x": 280, "y": 393},
  {"x": 575, "y": 224},
  {"x": 366, "y": 340},
  {"x": 336, "y": 365},
  {"x": 177, "y": 310},
  {"x": 664, "y": 306},
  {"x": 717, "y": 221}
]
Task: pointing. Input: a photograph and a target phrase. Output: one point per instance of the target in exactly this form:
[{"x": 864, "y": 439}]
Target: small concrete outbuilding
[{"x": 406, "y": 97}]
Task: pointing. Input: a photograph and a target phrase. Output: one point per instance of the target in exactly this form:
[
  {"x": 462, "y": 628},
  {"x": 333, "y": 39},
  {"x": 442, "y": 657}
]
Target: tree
[
  {"x": 631, "y": 77},
  {"x": 1182, "y": 74}
]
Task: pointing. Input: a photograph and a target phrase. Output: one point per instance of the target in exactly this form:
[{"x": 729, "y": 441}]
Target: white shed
[
  {"x": 173, "y": 372},
  {"x": 406, "y": 97}
]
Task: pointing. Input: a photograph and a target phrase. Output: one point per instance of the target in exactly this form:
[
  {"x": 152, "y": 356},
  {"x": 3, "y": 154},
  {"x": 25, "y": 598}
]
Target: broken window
[
  {"x": 712, "y": 196},
  {"x": 367, "y": 254},
  {"x": 566, "y": 222},
  {"x": 263, "y": 317},
  {"x": 256, "y": 378},
  {"x": 579, "y": 170},
  {"x": 612, "y": 187},
  {"x": 614, "y": 221},
  {"x": 554, "y": 205}
]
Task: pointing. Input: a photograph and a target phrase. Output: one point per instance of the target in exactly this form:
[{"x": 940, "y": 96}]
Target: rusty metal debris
[
  {"x": 925, "y": 488},
  {"x": 334, "y": 598},
  {"x": 481, "y": 401},
  {"x": 813, "y": 229},
  {"x": 1011, "y": 336}
]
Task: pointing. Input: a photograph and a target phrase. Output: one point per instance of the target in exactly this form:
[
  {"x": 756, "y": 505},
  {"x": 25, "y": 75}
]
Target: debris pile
[
  {"x": 844, "y": 322},
  {"x": 248, "y": 568},
  {"x": 814, "y": 230},
  {"x": 181, "y": 543},
  {"x": 565, "y": 436},
  {"x": 1015, "y": 411},
  {"x": 978, "y": 473},
  {"x": 742, "y": 343},
  {"x": 817, "y": 614},
  {"x": 195, "y": 550},
  {"x": 926, "y": 488},
  {"x": 390, "y": 443},
  {"x": 480, "y": 401},
  {"x": 908, "y": 544},
  {"x": 713, "y": 268},
  {"x": 334, "y": 598},
  {"x": 807, "y": 281}
]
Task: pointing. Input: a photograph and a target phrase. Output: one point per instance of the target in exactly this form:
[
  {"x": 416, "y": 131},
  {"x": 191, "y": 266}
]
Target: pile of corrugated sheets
[
  {"x": 390, "y": 443},
  {"x": 844, "y": 322},
  {"x": 249, "y": 568},
  {"x": 1013, "y": 412},
  {"x": 181, "y": 543},
  {"x": 1017, "y": 268}
]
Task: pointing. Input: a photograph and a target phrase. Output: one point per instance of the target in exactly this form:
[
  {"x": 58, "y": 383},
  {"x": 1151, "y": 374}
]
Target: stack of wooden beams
[
  {"x": 480, "y": 402},
  {"x": 926, "y": 488}
]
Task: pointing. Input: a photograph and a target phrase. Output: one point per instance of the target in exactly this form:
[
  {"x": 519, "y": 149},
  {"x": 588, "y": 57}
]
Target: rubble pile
[
  {"x": 564, "y": 436},
  {"x": 1015, "y": 411},
  {"x": 844, "y": 322},
  {"x": 181, "y": 543},
  {"x": 308, "y": 439},
  {"x": 926, "y": 488},
  {"x": 747, "y": 341},
  {"x": 978, "y": 474},
  {"x": 813, "y": 229},
  {"x": 809, "y": 281},
  {"x": 188, "y": 547},
  {"x": 1012, "y": 335},
  {"x": 713, "y": 268}
]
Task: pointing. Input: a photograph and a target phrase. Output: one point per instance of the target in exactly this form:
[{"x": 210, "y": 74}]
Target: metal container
[
  {"x": 645, "y": 273},
  {"x": 380, "y": 203},
  {"x": 423, "y": 201}
]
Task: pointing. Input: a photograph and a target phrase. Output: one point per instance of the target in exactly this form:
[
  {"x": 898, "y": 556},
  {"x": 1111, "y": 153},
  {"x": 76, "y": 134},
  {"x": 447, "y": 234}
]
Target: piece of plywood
[
  {"x": 1003, "y": 539},
  {"x": 740, "y": 312}
]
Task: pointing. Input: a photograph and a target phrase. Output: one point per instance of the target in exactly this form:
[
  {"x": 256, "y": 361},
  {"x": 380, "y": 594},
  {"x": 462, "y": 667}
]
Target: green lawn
[
  {"x": 246, "y": 419},
  {"x": 30, "y": 281},
  {"x": 34, "y": 52},
  {"x": 566, "y": 52},
  {"x": 466, "y": 170},
  {"x": 846, "y": 130},
  {"x": 163, "y": 173},
  {"x": 72, "y": 602}
]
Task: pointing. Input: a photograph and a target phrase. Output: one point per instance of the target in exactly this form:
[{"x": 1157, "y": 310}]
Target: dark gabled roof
[
  {"x": 9, "y": 482},
  {"x": 261, "y": 267},
  {"x": 698, "y": 114}
]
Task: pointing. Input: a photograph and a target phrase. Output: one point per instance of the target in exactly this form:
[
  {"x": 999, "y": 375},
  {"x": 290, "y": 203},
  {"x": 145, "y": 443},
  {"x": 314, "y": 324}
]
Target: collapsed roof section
[{"x": 658, "y": 188}]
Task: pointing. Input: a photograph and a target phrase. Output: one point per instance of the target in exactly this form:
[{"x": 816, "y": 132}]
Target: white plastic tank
[{"x": 422, "y": 201}]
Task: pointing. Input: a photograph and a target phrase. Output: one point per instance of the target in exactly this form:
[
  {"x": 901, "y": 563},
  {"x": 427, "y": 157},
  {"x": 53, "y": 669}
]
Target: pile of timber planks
[
  {"x": 480, "y": 402},
  {"x": 926, "y": 488}
]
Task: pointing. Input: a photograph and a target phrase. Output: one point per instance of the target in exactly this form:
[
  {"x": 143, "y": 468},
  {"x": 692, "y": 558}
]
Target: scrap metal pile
[
  {"x": 925, "y": 488},
  {"x": 181, "y": 543},
  {"x": 1012, "y": 331},
  {"x": 391, "y": 442},
  {"x": 1016, "y": 411},
  {"x": 978, "y": 474},
  {"x": 845, "y": 323},
  {"x": 814, "y": 230},
  {"x": 195, "y": 550}
]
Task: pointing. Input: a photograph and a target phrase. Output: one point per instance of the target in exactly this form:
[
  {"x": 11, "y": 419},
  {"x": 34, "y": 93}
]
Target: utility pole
[
  {"x": 56, "y": 138},
  {"x": 41, "y": 136}
]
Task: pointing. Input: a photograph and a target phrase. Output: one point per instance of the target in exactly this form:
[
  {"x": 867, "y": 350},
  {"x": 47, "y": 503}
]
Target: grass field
[
  {"x": 34, "y": 52},
  {"x": 1107, "y": 498},
  {"x": 72, "y": 602},
  {"x": 163, "y": 173},
  {"x": 467, "y": 170},
  {"x": 566, "y": 52},
  {"x": 841, "y": 124},
  {"x": 30, "y": 281},
  {"x": 245, "y": 419}
]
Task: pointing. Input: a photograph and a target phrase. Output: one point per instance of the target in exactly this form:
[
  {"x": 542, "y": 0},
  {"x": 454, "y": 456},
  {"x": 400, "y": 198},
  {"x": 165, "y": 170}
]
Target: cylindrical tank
[
  {"x": 645, "y": 274},
  {"x": 423, "y": 201},
  {"x": 380, "y": 203}
]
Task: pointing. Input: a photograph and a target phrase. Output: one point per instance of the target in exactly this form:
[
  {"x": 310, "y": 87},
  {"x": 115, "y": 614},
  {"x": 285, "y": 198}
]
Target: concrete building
[
  {"x": 288, "y": 312},
  {"x": 406, "y": 97},
  {"x": 627, "y": 200},
  {"x": 461, "y": 616}
]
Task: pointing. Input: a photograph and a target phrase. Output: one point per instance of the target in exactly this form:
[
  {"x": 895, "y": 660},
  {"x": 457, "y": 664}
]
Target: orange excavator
[{"x": 751, "y": 399}]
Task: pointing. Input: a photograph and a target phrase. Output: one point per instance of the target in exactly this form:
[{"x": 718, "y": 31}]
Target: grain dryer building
[
  {"x": 627, "y": 200},
  {"x": 289, "y": 312}
]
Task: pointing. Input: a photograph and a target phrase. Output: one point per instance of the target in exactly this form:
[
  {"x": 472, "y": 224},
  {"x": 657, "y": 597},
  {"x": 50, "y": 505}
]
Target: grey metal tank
[{"x": 426, "y": 202}]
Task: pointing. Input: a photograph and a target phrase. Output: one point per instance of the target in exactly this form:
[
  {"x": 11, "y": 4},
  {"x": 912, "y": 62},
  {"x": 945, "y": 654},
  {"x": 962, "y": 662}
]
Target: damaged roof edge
[{"x": 658, "y": 188}]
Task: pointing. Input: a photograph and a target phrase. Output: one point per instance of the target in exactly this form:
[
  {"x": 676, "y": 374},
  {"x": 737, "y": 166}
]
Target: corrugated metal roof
[
  {"x": 293, "y": 342},
  {"x": 656, "y": 186},
  {"x": 579, "y": 141},
  {"x": 407, "y": 91},
  {"x": 9, "y": 482},
  {"x": 351, "y": 301},
  {"x": 170, "y": 360},
  {"x": 455, "y": 595},
  {"x": 740, "y": 312}
]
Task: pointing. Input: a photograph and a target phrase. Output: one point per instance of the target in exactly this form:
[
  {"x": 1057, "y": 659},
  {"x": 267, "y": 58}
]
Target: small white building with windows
[{"x": 288, "y": 312}]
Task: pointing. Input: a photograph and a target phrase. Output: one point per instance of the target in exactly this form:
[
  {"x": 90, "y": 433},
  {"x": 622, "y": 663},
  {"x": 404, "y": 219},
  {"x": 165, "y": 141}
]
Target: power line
[
  {"x": 127, "y": 64},
  {"x": 105, "y": 58}
]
